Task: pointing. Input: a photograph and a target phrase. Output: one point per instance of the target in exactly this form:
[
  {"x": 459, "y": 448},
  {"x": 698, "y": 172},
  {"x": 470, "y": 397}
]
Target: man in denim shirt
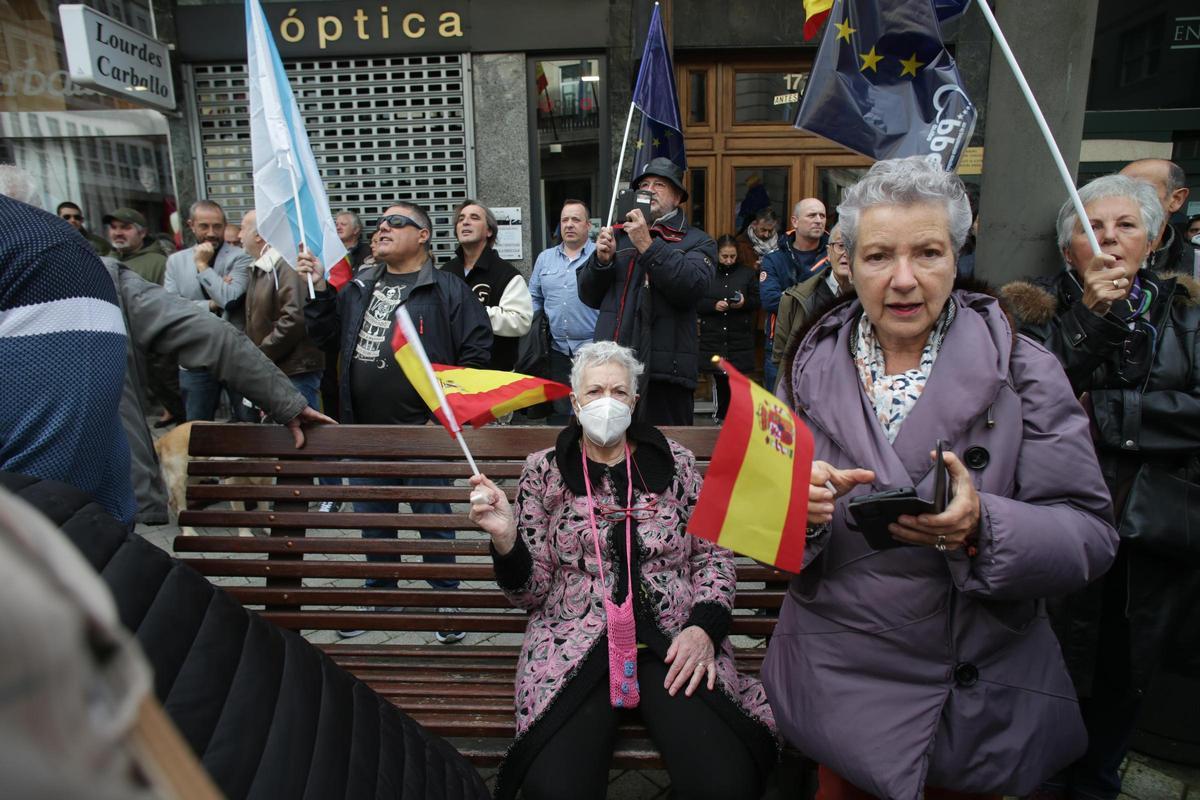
[{"x": 554, "y": 292}]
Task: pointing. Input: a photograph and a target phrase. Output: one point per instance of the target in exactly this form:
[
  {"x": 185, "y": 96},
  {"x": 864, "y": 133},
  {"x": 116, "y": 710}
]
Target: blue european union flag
[
  {"x": 660, "y": 133},
  {"x": 884, "y": 85}
]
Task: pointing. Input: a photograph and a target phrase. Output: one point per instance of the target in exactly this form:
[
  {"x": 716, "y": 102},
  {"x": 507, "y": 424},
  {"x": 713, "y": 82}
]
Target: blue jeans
[
  {"x": 391, "y": 507},
  {"x": 769, "y": 369},
  {"x": 201, "y": 392},
  {"x": 309, "y": 385}
]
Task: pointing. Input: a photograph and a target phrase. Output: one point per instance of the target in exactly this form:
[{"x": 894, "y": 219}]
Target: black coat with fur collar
[{"x": 1142, "y": 413}]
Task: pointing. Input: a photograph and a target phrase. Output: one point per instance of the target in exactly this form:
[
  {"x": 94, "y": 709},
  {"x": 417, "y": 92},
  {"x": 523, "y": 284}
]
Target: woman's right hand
[
  {"x": 821, "y": 500},
  {"x": 1104, "y": 283},
  {"x": 491, "y": 511}
]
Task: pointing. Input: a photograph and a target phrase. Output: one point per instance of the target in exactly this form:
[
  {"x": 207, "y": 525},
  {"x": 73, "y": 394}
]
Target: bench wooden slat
[
  {"x": 258, "y": 568},
  {"x": 330, "y": 546},
  {"x": 461, "y": 598},
  {"x": 348, "y": 469},
  {"x": 400, "y": 494},
  {"x": 628, "y": 753},
  {"x": 306, "y": 519}
]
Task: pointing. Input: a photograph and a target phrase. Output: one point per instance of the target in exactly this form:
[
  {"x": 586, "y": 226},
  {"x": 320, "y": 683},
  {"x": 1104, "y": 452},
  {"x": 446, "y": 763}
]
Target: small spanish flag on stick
[
  {"x": 474, "y": 396},
  {"x": 755, "y": 495},
  {"x": 815, "y": 14}
]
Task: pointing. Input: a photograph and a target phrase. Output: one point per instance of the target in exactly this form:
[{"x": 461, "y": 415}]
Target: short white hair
[
  {"x": 1116, "y": 185},
  {"x": 593, "y": 354},
  {"x": 904, "y": 181},
  {"x": 18, "y": 184}
]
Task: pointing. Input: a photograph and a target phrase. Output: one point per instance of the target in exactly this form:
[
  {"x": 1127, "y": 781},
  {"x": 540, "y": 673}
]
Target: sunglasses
[
  {"x": 398, "y": 221},
  {"x": 72, "y": 216}
]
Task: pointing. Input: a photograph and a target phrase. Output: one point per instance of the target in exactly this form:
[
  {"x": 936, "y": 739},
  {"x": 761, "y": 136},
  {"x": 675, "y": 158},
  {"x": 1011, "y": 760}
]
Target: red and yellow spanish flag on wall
[
  {"x": 755, "y": 495},
  {"x": 815, "y": 14},
  {"x": 463, "y": 395}
]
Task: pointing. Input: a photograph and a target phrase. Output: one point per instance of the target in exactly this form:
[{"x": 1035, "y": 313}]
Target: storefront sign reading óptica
[{"x": 114, "y": 58}]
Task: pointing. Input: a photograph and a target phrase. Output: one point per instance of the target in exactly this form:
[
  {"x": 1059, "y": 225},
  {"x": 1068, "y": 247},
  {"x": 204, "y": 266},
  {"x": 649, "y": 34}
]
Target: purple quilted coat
[{"x": 906, "y": 667}]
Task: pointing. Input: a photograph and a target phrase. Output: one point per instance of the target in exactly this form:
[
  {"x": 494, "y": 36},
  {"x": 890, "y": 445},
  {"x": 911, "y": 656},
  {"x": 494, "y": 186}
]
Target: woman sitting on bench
[{"x": 608, "y": 503}]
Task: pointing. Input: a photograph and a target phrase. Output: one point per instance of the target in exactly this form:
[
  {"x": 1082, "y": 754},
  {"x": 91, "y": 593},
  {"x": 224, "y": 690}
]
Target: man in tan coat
[{"x": 275, "y": 296}]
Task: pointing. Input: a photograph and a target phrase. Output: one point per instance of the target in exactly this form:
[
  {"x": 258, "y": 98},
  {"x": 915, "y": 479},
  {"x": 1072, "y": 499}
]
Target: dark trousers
[
  {"x": 834, "y": 787},
  {"x": 721, "y": 382},
  {"x": 560, "y": 370},
  {"x": 704, "y": 756},
  {"x": 391, "y": 507},
  {"x": 667, "y": 404},
  {"x": 162, "y": 382},
  {"x": 1110, "y": 712},
  {"x": 201, "y": 394}
]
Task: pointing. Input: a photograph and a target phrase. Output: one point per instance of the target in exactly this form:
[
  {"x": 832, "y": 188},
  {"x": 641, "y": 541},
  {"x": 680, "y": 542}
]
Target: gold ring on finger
[{"x": 1117, "y": 283}]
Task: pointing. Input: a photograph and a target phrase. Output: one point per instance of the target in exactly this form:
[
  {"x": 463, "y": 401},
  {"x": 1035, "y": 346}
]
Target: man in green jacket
[{"x": 127, "y": 232}]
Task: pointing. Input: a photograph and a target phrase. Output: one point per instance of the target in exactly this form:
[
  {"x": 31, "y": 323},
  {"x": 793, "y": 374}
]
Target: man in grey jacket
[
  {"x": 157, "y": 322},
  {"x": 213, "y": 275}
]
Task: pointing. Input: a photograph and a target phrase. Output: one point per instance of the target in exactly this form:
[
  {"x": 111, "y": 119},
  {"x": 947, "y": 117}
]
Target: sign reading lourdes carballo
[{"x": 112, "y": 57}]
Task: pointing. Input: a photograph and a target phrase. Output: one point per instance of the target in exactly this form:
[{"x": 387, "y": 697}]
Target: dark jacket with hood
[
  {"x": 729, "y": 333},
  {"x": 1144, "y": 402},
  {"x": 648, "y": 301},
  {"x": 1176, "y": 255},
  {"x": 453, "y": 326},
  {"x": 268, "y": 714}
]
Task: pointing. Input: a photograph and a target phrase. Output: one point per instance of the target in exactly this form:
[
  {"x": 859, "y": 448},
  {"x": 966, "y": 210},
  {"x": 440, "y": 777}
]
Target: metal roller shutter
[{"x": 382, "y": 129}]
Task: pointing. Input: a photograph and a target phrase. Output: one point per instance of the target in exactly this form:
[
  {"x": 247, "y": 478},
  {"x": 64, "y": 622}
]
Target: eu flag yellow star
[
  {"x": 638, "y": 144},
  {"x": 655, "y": 142},
  {"x": 910, "y": 66},
  {"x": 844, "y": 30},
  {"x": 870, "y": 60}
]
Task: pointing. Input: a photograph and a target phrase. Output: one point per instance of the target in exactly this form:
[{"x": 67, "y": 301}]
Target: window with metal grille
[{"x": 381, "y": 129}]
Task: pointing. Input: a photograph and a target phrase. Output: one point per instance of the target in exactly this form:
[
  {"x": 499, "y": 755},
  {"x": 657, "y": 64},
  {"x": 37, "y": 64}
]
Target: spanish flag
[
  {"x": 755, "y": 495},
  {"x": 815, "y": 14},
  {"x": 472, "y": 396}
]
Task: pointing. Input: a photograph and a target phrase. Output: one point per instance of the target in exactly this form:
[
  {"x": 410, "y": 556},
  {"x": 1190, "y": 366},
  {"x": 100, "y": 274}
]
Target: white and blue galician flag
[{"x": 289, "y": 197}]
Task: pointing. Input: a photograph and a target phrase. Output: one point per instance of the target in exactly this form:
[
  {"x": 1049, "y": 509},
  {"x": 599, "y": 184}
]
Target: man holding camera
[{"x": 646, "y": 277}]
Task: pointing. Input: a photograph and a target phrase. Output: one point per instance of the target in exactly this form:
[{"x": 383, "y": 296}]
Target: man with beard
[
  {"x": 792, "y": 263},
  {"x": 759, "y": 240},
  {"x": 213, "y": 275},
  {"x": 647, "y": 279},
  {"x": 73, "y": 214},
  {"x": 495, "y": 282},
  {"x": 132, "y": 246}
]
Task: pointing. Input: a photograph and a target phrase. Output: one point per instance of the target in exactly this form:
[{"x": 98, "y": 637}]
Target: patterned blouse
[{"x": 893, "y": 396}]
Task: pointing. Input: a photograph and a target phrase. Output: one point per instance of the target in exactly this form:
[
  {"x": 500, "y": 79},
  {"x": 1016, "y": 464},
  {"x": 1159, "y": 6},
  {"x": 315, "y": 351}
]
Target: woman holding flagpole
[
  {"x": 914, "y": 656},
  {"x": 628, "y": 613}
]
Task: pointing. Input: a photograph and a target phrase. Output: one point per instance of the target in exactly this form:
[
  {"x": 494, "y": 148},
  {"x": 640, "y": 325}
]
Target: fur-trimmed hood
[{"x": 1035, "y": 300}]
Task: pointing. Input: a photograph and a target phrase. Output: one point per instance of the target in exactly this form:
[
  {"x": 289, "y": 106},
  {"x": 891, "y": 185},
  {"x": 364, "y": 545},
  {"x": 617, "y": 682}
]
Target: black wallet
[{"x": 872, "y": 513}]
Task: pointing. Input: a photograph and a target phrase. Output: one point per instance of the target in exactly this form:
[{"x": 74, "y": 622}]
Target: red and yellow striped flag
[
  {"x": 815, "y": 14},
  {"x": 462, "y": 395},
  {"x": 755, "y": 495}
]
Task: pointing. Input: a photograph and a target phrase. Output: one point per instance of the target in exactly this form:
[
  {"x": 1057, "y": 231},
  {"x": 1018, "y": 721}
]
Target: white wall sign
[
  {"x": 508, "y": 237},
  {"x": 112, "y": 57}
]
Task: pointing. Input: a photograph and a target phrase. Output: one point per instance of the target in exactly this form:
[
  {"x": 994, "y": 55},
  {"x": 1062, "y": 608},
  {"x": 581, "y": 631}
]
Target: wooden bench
[{"x": 463, "y": 692}]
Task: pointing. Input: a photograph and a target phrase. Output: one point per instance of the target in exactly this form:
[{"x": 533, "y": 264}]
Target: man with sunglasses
[
  {"x": 74, "y": 215},
  {"x": 359, "y": 320}
]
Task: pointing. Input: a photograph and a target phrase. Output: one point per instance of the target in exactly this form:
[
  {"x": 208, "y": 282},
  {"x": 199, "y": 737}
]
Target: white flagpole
[
  {"x": 1063, "y": 172},
  {"x": 312, "y": 294},
  {"x": 612, "y": 204}
]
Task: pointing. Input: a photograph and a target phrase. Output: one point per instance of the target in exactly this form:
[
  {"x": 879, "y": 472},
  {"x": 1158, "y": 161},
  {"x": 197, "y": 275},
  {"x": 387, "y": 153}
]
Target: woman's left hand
[
  {"x": 951, "y": 529},
  {"x": 691, "y": 659}
]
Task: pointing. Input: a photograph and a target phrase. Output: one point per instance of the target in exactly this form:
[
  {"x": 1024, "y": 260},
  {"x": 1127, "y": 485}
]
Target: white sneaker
[
  {"x": 329, "y": 506},
  {"x": 449, "y": 637},
  {"x": 350, "y": 633}
]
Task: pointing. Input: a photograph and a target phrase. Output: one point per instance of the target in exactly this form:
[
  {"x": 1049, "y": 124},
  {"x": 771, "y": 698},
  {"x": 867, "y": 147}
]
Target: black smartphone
[
  {"x": 628, "y": 200},
  {"x": 735, "y": 299},
  {"x": 872, "y": 513}
]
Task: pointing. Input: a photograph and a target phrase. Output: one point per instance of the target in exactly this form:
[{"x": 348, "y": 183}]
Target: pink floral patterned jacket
[{"x": 563, "y": 592}]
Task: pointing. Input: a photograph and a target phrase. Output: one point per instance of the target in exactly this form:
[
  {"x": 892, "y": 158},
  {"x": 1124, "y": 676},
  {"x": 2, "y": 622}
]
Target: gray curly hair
[
  {"x": 593, "y": 354},
  {"x": 902, "y": 181},
  {"x": 1116, "y": 185}
]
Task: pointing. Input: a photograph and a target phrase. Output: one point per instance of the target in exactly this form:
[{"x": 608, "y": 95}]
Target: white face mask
[{"x": 604, "y": 420}]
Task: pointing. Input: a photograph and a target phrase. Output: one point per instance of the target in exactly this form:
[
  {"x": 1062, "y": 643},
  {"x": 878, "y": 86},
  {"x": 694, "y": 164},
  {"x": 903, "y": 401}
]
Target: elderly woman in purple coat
[
  {"x": 628, "y": 613},
  {"x": 929, "y": 666}
]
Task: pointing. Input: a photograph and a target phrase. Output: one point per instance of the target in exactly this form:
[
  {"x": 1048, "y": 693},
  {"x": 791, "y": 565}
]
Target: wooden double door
[{"x": 742, "y": 149}]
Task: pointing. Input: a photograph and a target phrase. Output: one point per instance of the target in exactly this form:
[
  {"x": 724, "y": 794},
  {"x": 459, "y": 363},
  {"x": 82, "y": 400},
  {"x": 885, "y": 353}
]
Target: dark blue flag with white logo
[
  {"x": 884, "y": 85},
  {"x": 660, "y": 133}
]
